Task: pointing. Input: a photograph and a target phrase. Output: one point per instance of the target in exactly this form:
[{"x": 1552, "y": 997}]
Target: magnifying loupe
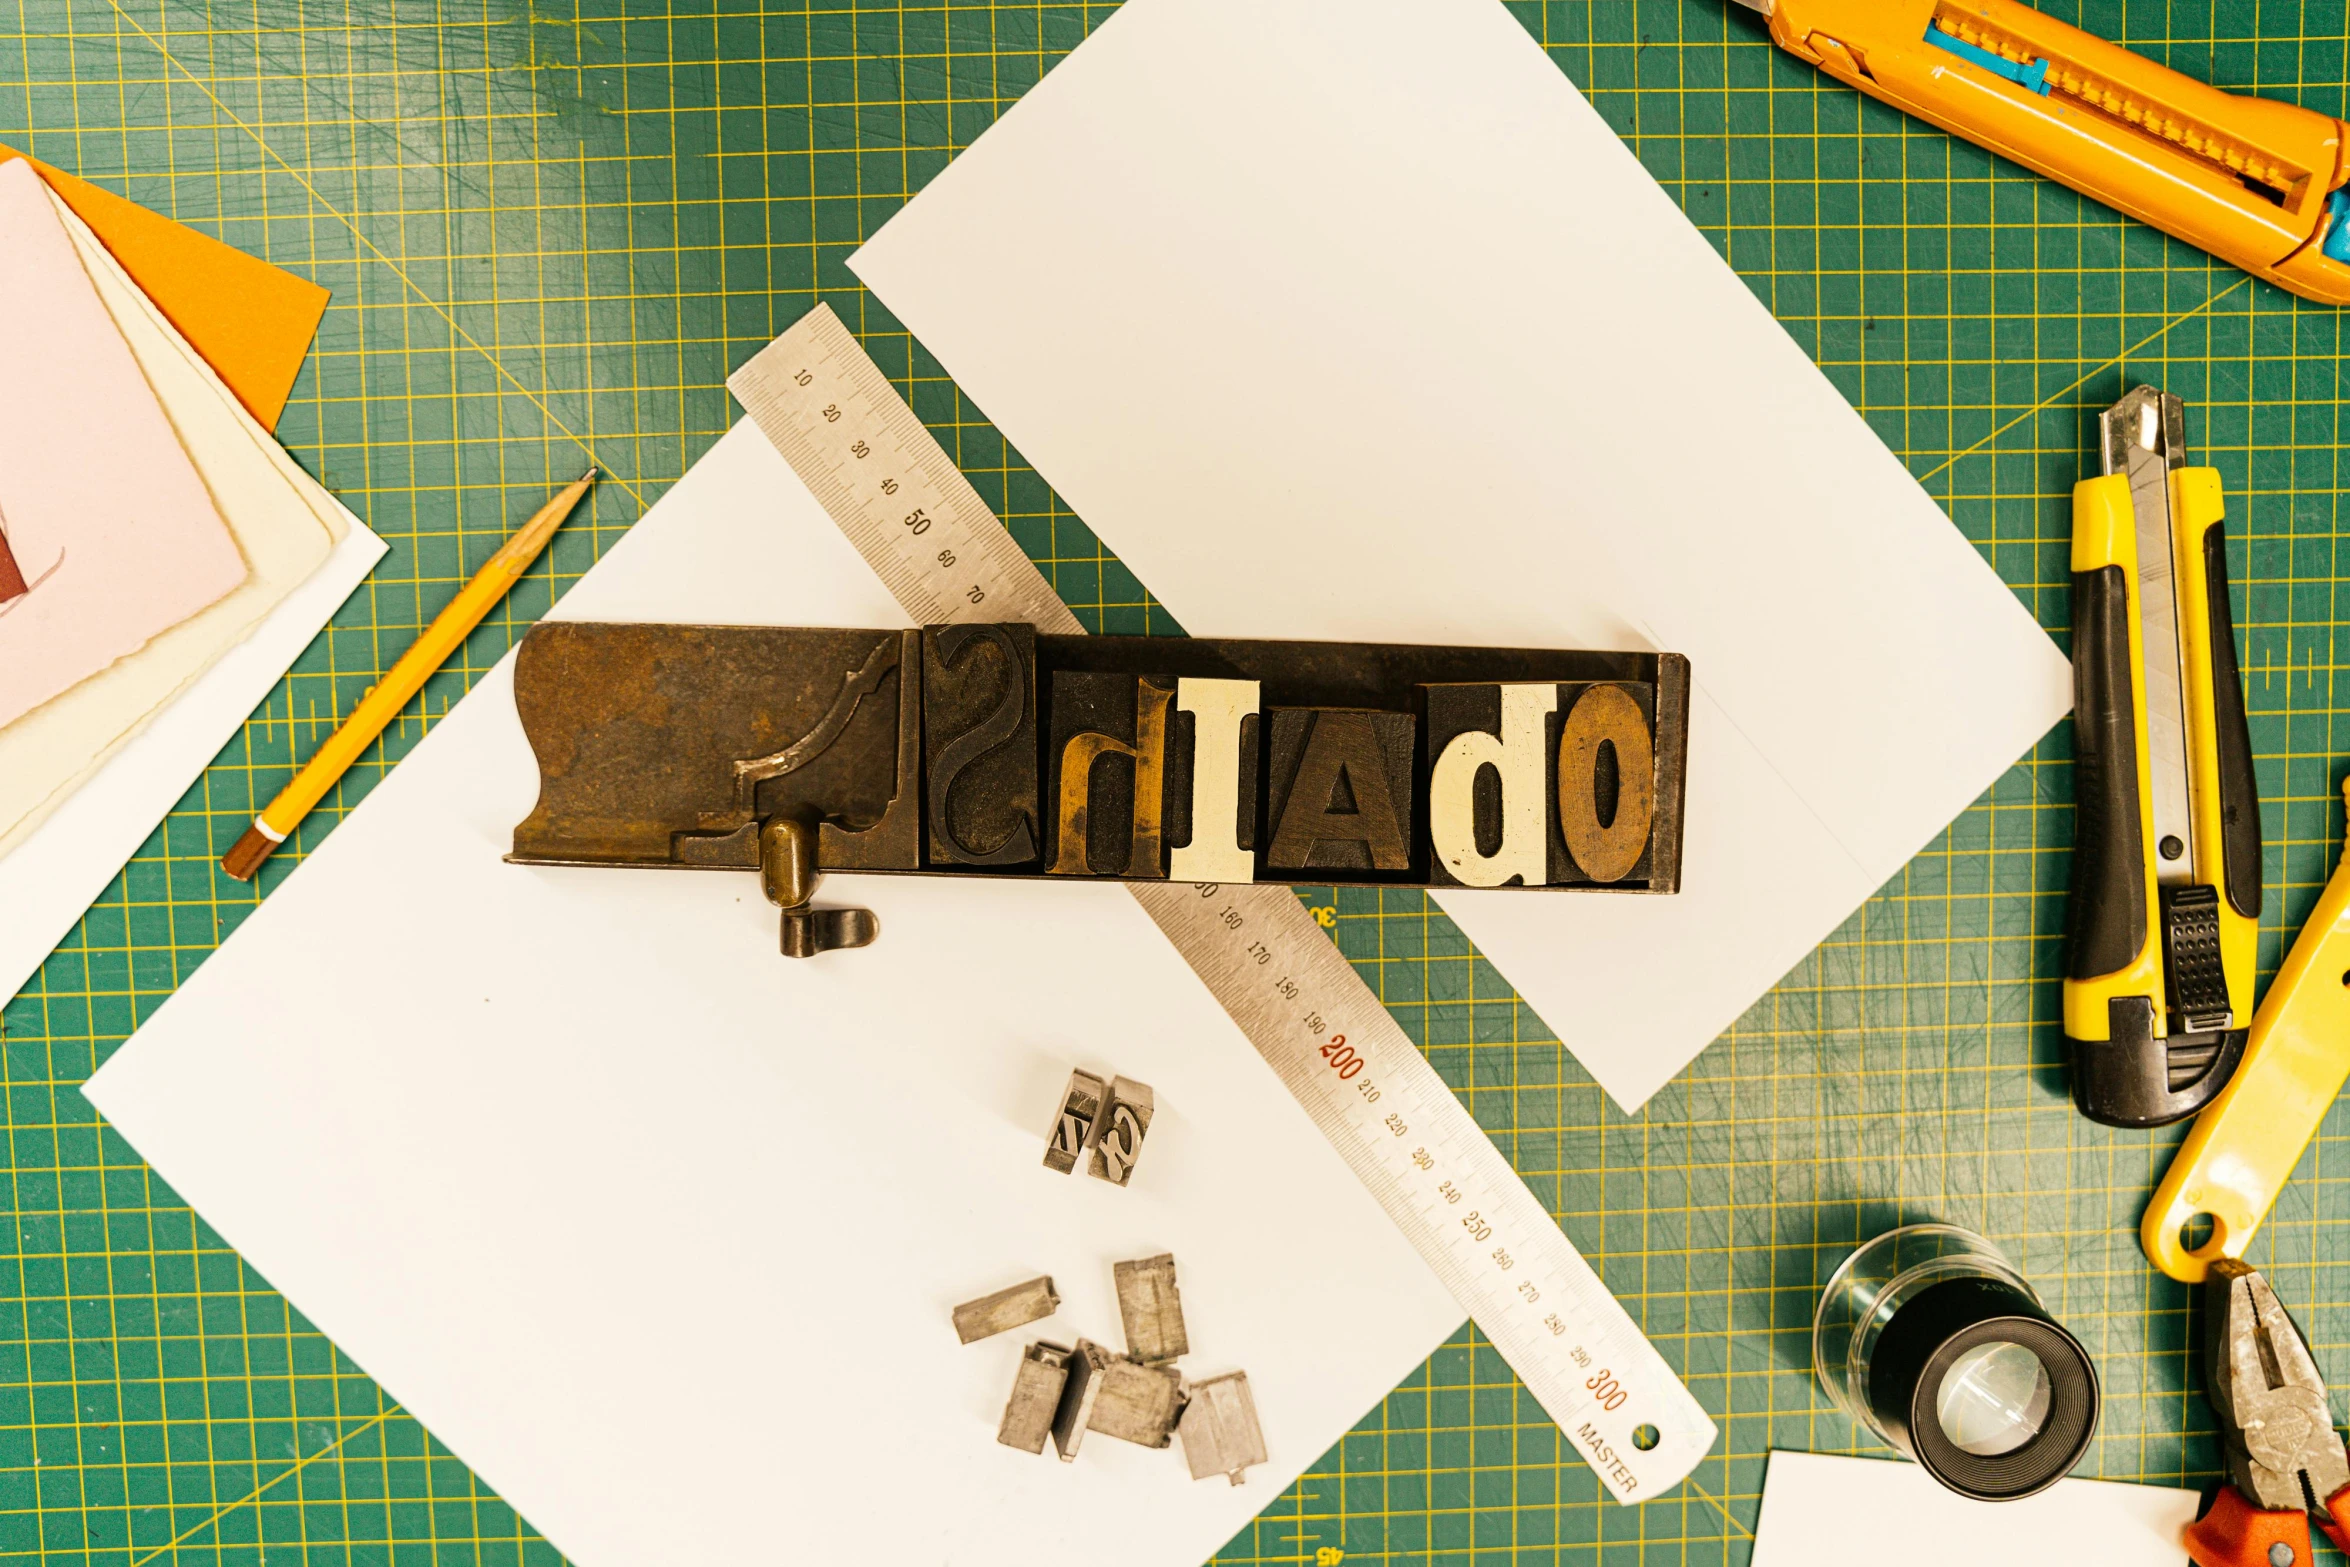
[{"x": 1929, "y": 1337}]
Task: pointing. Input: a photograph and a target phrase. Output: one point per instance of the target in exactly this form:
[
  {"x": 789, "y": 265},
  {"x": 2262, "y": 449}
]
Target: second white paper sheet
[
  {"x": 1351, "y": 319},
  {"x": 1824, "y": 1510},
  {"x": 660, "y": 1231}
]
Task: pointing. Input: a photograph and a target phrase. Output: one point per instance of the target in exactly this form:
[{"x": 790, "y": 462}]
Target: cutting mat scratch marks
[
  {"x": 644, "y": 192},
  {"x": 374, "y": 250}
]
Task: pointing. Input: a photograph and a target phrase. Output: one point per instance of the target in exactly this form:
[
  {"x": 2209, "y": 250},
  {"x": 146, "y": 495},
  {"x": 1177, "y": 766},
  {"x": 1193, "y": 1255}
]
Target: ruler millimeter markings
[
  {"x": 879, "y": 473},
  {"x": 885, "y": 480}
]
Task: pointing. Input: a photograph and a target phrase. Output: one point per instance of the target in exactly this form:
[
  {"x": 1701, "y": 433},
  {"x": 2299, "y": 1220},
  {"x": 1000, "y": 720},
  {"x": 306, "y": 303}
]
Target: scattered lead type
[
  {"x": 1219, "y": 1428},
  {"x": 1075, "y": 1412},
  {"x": 1152, "y": 1308},
  {"x": 1006, "y": 1309},
  {"x": 1036, "y": 1397},
  {"x": 1075, "y": 1124},
  {"x": 1136, "y": 1403},
  {"x": 1118, "y": 1141}
]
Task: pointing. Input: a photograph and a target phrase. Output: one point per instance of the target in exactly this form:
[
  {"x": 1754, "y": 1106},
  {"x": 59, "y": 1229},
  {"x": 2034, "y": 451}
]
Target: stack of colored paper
[{"x": 150, "y": 527}]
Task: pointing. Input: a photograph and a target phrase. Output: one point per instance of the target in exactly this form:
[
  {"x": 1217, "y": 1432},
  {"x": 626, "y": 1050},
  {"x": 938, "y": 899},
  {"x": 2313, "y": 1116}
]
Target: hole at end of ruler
[
  {"x": 2197, "y": 1231},
  {"x": 1646, "y": 1437}
]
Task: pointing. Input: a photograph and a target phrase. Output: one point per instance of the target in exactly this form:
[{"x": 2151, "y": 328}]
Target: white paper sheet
[
  {"x": 1821, "y": 1510},
  {"x": 1351, "y": 319},
  {"x": 660, "y": 1231},
  {"x": 77, "y": 824}
]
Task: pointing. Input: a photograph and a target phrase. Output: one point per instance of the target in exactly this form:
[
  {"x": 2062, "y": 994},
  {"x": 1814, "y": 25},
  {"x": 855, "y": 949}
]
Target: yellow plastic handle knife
[
  {"x": 2241, "y": 1150},
  {"x": 2164, "y": 918}
]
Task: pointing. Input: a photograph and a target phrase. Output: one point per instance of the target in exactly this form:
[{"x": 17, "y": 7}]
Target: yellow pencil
[{"x": 407, "y": 677}]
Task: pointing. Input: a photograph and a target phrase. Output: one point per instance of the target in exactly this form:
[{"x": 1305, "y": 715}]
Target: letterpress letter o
[{"x": 1606, "y": 716}]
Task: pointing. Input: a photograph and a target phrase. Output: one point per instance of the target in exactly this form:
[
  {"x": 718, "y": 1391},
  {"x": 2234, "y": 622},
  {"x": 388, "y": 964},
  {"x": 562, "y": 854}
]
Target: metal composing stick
[{"x": 897, "y": 495}]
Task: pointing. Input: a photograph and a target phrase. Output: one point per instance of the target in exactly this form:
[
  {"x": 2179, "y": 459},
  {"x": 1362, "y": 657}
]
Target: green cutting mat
[{"x": 552, "y": 227}]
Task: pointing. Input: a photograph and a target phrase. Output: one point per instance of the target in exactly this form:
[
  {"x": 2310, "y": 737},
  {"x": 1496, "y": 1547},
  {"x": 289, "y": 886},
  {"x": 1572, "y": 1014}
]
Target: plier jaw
[{"x": 2286, "y": 1465}]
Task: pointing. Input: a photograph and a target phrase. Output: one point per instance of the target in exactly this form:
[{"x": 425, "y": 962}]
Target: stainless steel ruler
[{"x": 900, "y": 499}]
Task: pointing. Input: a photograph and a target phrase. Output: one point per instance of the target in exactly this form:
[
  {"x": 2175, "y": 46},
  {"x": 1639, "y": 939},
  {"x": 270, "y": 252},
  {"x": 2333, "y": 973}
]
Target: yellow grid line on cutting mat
[{"x": 556, "y": 224}]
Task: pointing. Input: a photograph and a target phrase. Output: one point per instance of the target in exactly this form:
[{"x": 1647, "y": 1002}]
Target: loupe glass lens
[
  {"x": 1993, "y": 1399},
  {"x": 1930, "y": 1340}
]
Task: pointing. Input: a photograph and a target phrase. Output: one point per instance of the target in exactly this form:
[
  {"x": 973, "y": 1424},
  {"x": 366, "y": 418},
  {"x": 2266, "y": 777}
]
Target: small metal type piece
[
  {"x": 2282, "y": 1450},
  {"x": 1152, "y": 1308},
  {"x": 1118, "y": 1140},
  {"x": 1219, "y": 1428},
  {"x": 1036, "y": 1397},
  {"x": 1075, "y": 1412},
  {"x": 1006, "y": 1309},
  {"x": 1137, "y": 1403},
  {"x": 1074, "y": 1127}
]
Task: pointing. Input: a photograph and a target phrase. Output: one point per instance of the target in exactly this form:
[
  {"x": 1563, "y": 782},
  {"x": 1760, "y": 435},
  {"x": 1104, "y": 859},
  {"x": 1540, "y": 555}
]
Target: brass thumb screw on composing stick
[{"x": 382, "y": 704}]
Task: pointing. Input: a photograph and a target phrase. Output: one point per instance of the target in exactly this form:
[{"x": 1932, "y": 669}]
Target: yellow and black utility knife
[{"x": 2165, "y": 909}]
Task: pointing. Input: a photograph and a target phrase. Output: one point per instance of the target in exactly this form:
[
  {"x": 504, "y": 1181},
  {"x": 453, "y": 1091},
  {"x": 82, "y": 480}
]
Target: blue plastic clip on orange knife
[{"x": 2254, "y": 182}]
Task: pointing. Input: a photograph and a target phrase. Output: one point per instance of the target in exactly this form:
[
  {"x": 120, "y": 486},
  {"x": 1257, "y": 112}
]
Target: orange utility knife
[{"x": 2254, "y": 182}]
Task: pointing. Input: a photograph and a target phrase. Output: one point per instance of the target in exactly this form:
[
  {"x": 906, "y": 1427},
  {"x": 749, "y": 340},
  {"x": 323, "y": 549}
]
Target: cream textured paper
[
  {"x": 96, "y": 818},
  {"x": 107, "y": 521},
  {"x": 283, "y": 521},
  {"x": 1372, "y": 329}
]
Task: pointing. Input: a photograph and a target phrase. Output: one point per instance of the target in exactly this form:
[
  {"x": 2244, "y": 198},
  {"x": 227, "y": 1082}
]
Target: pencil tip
[{"x": 588, "y": 477}]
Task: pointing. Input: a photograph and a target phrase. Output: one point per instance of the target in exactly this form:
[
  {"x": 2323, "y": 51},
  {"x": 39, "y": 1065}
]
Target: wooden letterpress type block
[
  {"x": 979, "y": 745},
  {"x": 1074, "y": 1127},
  {"x": 1605, "y": 771},
  {"x": 1595, "y": 790},
  {"x": 1036, "y": 1397},
  {"x": 1126, "y": 1117},
  {"x": 1340, "y": 791},
  {"x": 1490, "y": 765},
  {"x": 1211, "y": 795},
  {"x": 1107, "y": 738}
]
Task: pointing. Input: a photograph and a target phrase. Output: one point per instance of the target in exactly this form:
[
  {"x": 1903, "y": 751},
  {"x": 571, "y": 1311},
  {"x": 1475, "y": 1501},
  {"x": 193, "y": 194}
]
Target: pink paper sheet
[{"x": 114, "y": 533}]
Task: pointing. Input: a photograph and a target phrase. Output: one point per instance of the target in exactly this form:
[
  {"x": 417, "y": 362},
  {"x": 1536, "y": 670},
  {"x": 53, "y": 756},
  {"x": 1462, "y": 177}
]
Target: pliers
[{"x": 2286, "y": 1465}]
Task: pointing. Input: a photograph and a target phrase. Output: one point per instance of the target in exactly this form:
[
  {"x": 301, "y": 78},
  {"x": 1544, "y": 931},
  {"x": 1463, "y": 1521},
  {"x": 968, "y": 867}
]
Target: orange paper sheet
[{"x": 251, "y": 321}]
